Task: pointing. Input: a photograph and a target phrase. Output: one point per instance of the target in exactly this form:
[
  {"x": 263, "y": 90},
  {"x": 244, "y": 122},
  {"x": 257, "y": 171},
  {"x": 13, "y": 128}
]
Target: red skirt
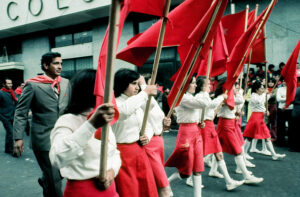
[
  {"x": 86, "y": 188},
  {"x": 210, "y": 137},
  {"x": 238, "y": 124},
  {"x": 135, "y": 178},
  {"x": 155, "y": 152},
  {"x": 187, "y": 156},
  {"x": 229, "y": 139},
  {"x": 256, "y": 127}
]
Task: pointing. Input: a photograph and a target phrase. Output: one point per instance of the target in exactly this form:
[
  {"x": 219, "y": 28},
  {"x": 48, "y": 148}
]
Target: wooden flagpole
[
  {"x": 111, "y": 56},
  {"x": 245, "y": 29},
  {"x": 209, "y": 64},
  {"x": 255, "y": 34},
  {"x": 194, "y": 59},
  {"x": 249, "y": 58},
  {"x": 156, "y": 61},
  {"x": 266, "y": 74}
]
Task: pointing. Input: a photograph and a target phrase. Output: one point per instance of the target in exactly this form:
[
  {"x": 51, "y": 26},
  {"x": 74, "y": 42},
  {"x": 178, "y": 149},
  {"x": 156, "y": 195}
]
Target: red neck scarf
[
  {"x": 14, "y": 98},
  {"x": 19, "y": 91},
  {"x": 45, "y": 79}
]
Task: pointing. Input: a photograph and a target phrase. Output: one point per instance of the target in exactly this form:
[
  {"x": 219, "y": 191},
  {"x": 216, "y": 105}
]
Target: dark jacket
[{"x": 7, "y": 106}]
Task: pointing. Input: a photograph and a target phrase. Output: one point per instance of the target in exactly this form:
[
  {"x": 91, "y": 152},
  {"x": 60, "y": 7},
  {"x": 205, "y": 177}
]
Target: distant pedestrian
[{"x": 8, "y": 101}]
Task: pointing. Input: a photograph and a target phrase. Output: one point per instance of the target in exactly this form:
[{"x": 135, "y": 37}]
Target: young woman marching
[
  {"x": 228, "y": 137},
  {"x": 135, "y": 178},
  {"x": 187, "y": 156},
  {"x": 256, "y": 127},
  {"x": 210, "y": 137},
  {"x": 74, "y": 147},
  {"x": 155, "y": 148}
]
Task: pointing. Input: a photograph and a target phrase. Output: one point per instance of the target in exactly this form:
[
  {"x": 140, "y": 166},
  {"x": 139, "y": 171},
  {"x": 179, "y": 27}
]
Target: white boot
[
  {"x": 174, "y": 176},
  {"x": 253, "y": 146},
  {"x": 264, "y": 150},
  {"x": 246, "y": 148},
  {"x": 214, "y": 169},
  {"x": 249, "y": 179},
  {"x": 208, "y": 160},
  {"x": 189, "y": 181},
  {"x": 275, "y": 156},
  {"x": 197, "y": 185},
  {"x": 248, "y": 163},
  {"x": 230, "y": 183}
]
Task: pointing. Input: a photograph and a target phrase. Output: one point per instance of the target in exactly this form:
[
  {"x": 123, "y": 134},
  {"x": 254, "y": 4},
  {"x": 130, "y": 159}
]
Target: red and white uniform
[
  {"x": 135, "y": 177},
  {"x": 76, "y": 152},
  {"x": 256, "y": 127},
  {"x": 187, "y": 156},
  {"x": 226, "y": 128},
  {"x": 155, "y": 148},
  {"x": 210, "y": 137}
]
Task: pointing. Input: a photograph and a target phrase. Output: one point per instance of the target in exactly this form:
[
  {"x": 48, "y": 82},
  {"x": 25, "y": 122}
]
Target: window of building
[
  {"x": 9, "y": 48},
  {"x": 71, "y": 66},
  {"x": 72, "y": 38}
]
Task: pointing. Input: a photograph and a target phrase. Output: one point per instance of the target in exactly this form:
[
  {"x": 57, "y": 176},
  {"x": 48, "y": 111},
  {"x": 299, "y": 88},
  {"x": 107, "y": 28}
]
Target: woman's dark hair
[
  {"x": 256, "y": 85},
  {"x": 123, "y": 78},
  {"x": 251, "y": 70},
  {"x": 82, "y": 96},
  {"x": 219, "y": 89},
  {"x": 200, "y": 82},
  {"x": 47, "y": 58}
]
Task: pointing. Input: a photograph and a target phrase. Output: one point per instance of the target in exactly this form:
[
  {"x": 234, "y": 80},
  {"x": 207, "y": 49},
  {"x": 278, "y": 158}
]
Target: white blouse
[
  {"x": 76, "y": 152},
  {"x": 211, "y": 107},
  {"x": 258, "y": 102},
  {"x": 281, "y": 98},
  {"x": 127, "y": 128},
  {"x": 156, "y": 117},
  {"x": 225, "y": 111},
  {"x": 188, "y": 109}
]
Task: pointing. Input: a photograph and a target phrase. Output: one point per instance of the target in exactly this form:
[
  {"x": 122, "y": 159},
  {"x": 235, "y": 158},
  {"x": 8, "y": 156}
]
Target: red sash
[{"x": 14, "y": 98}]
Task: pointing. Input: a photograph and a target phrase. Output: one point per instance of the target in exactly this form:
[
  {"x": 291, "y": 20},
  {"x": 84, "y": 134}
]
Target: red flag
[
  {"x": 154, "y": 7},
  {"x": 236, "y": 60},
  {"x": 258, "y": 49},
  {"x": 289, "y": 73},
  {"x": 233, "y": 30},
  {"x": 219, "y": 55},
  {"x": 181, "y": 22},
  {"x": 191, "y": 45}
]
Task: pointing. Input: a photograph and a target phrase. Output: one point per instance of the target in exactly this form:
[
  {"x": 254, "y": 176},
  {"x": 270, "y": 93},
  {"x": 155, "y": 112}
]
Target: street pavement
[{"x": 18, "y": 176}]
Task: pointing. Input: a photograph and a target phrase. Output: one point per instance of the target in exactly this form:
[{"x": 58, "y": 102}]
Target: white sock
[
  {"x": 222, "y": 166},
  {"x": 253, "y": 145},
  {"x": 271, "y": 148},
  {"x": 239, "y": 160},
  {"x": 264, "y": 147},
  {"x": 214, "y": 165},
  {"x": 174, "y": 176},
  {"x": 197, "y": 185},
  {"x": 246, "y": 146}
]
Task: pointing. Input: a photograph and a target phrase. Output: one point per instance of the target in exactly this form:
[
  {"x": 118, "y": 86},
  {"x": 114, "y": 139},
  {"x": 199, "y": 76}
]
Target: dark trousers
[
  {"x": 272, "y": 120},
  {"x": 51, "y": 180},
  {"x": 9, "y": 143},
  {"x": 282, "y": 117},
  {"x": 294, "y": 134}
]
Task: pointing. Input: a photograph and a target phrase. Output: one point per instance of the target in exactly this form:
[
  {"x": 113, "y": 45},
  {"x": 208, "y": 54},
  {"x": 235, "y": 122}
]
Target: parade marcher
[
  {"x": 187, "y": 156},
  {"x": 8, "y": 101},
  {"x": 155, "y": 148},
  {"x": 228, "y": 137},
  {"x": 47, "y": 96},
  {"x": 256, "y": 127},
  {"x": 283, "y": 115},
  {"x": 135, "y": 178},
  {"x": 210, "y": 137},
  {"x": 272, "y": 107},
  {"x": 74, "y": 147}
]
